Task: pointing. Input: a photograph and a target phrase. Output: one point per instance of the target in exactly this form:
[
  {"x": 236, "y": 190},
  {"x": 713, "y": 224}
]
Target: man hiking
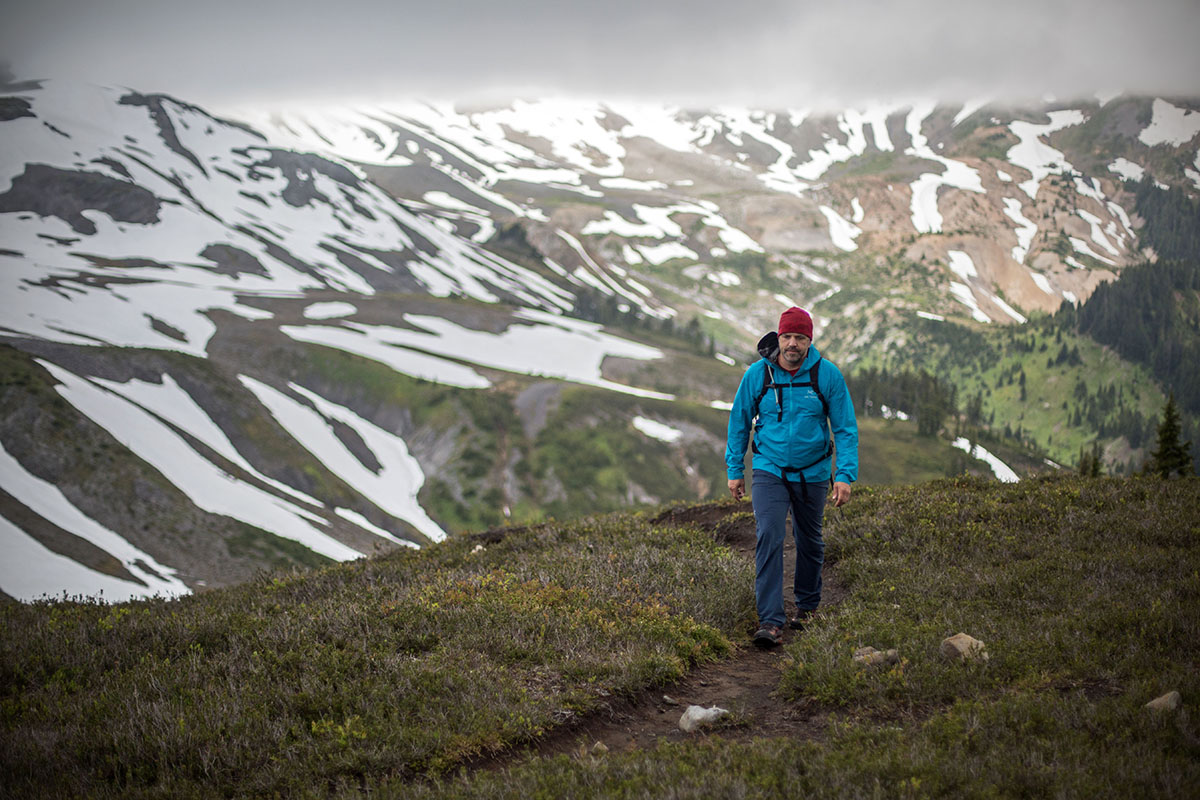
[{"x": 798, "y": 399}]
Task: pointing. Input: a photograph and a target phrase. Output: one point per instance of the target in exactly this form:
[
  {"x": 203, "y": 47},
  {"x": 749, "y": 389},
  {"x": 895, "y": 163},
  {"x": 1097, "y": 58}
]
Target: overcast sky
[{"x": 226, "y": 53}]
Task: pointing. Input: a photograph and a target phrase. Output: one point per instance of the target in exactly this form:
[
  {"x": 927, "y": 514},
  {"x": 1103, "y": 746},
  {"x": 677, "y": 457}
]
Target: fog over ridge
[{"x": 772, "y": 53}]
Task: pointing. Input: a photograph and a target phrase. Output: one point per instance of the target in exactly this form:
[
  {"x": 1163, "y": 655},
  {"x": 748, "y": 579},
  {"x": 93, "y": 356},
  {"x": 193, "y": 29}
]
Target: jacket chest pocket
[
  {"x": 805, "y": 404},
  {"x": 799, "y": 402}
]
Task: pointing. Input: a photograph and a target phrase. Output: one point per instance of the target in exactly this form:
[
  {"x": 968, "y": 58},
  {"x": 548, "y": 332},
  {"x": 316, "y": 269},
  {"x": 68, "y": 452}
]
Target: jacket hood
[{"x": 768, "y": 347}]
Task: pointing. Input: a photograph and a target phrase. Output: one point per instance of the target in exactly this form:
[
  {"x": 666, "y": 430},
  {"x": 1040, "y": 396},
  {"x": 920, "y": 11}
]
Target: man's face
[{"x": 793, "y": 348}]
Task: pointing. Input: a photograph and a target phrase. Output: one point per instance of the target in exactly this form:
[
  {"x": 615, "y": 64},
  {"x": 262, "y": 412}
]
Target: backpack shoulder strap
[
  {"x": 768, "y": 382},
  {"x": 816, "y": 387}
]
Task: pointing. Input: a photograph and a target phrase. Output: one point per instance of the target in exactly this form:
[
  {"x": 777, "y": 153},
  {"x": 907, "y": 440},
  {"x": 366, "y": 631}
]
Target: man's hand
[
  {"x": 841, "y": 493},
  {"x": 737, "y": 488}
]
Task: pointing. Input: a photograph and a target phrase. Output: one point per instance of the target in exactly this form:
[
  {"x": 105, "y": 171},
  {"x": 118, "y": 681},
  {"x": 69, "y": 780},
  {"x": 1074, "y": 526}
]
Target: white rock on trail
[{"x": 697, "y": 716}]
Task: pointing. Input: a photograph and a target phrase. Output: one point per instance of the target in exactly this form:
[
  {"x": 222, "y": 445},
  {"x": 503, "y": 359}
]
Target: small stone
[
  {"x": 671, "y": 701},
  {"x": 869, "y": 656},
  {"x": 962, "y": 647},
  {"x": 599, "y": 748},
  {"x": 697, "y": 716},
  {"x": 1168, "y": 702},
  {"x": 478, "y": 549}
]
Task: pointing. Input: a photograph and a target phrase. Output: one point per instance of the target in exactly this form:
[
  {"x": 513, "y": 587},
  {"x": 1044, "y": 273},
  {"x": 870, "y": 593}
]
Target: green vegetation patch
[
  {"x": 1068, "y": 582},
  {"x": 592, "y": 450},
  {"x": 1038, "y": 745},
  {"x": 894, "y": 452},
  {"x": 252, "y": 543},
  {"x": 398, "y": 666},
  {"x": 1087, "y": 597}
]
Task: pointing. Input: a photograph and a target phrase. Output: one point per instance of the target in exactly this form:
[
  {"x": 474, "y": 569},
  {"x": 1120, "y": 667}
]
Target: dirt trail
[{"x": 744, "y": 684}]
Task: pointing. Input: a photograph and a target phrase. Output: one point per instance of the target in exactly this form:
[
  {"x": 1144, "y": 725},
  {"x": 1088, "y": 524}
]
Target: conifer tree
[
  {"x": 1091, "y": 465},
  {"x": 1170, "y": 455}
]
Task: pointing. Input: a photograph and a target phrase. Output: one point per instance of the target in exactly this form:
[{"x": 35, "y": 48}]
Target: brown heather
[{"x": 382, "y": 677}]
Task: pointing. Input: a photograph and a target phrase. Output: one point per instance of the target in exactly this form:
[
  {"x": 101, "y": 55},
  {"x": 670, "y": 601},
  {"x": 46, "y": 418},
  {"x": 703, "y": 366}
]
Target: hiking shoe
[
  {"x": 768, "y": 636},
  {"x": 801, "y": 619}
]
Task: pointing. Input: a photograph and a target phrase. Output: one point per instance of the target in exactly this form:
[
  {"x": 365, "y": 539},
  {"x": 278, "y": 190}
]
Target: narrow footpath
[{"x": 744, "y": 684}]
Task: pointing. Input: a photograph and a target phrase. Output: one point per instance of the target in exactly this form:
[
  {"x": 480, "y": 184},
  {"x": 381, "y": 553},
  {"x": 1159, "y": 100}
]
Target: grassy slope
[
  {"x": 987, "y": 360},
  {"x": 1085, "y": 593},
  {"x": 396, "y": 666},
  {"x": 358, "y": 677},
  {"x": 892, "y": 452}
]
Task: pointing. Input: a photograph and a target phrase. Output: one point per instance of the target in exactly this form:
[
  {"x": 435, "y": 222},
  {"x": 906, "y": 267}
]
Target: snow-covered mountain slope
[
  {"x": 1015, "y": 210},
  {"x": 229, "y": 346},
  {"x": 176, "y": 289},
  {"x": 116, "y": 198}
]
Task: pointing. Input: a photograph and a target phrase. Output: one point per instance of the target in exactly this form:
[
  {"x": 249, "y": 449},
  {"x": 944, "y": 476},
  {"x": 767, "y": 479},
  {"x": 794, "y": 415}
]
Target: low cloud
[{"x": 779, "y": 53}]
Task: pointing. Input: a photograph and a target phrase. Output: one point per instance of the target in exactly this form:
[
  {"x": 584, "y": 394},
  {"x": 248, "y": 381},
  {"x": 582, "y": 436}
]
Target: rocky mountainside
[
  {"x": 230, "y": 345},
  {"x": 982, "y": 212}
]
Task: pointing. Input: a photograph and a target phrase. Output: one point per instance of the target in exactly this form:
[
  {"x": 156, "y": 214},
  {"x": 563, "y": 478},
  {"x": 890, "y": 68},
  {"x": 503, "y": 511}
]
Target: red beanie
[{"x": 795, "y": 320}]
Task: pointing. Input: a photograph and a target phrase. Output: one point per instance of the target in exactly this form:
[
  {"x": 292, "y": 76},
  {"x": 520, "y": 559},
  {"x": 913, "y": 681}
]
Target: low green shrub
[{"x": 398, "y": 666}]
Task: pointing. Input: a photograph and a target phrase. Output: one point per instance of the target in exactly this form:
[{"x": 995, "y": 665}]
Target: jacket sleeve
[
  {"x": 741, "y": 417},
  {"x": 844, "y": 427}
]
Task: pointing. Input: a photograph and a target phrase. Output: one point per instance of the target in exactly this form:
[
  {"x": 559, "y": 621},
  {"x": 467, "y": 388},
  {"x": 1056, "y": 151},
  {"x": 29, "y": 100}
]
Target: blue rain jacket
[{"x": 802, "y": 437}]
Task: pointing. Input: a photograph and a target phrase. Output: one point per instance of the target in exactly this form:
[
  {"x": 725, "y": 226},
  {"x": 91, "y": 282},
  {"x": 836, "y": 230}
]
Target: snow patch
[
  {"x": 1170, "y": 125},
  {"x": 1127, "y": 169},
  {"x": 376, "y": 343},
  {"x": 967, "y": 298},
  {"x": 662, "y": 253},
  {"x": 331, "y": 310},
  {"x": 30, "y": 570},
  {"x": 1001, "y": 470},
  {"x": 925, "y": 215},
  {"x": 392, "y": 487},
  {"x": 962, "y": 265},
  {"x": 205, "y": 484},
  {"x": 1025, "y": 230},
  {"x": 657, "y": 430},
  {"x": 1007, "y": 309},
  {"x": 1097, "y": 232},
  {"x": 1039, "y": 158},
  {"x": 451, "y": 203},
  {"x": 841, "y": 231},
  {"x": 967, "y": 110},
  {"x": 1082, "y": 247},
  {"x": 630, "y": 183}
]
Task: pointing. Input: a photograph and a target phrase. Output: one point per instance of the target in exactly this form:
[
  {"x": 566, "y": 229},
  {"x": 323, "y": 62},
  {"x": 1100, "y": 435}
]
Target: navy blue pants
[{"x": 772, "y": 500}]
